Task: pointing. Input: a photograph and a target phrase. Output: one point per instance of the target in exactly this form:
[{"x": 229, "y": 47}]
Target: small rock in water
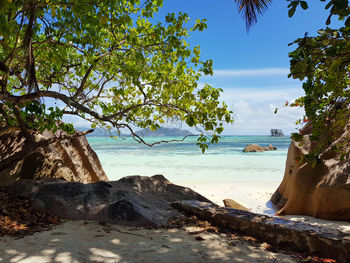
[{"x": 258, "y": 148}]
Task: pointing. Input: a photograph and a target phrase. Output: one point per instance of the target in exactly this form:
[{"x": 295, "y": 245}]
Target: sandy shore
[
  {"x": 253, "y": 195},
  {"x": 256, "y": 196},
  {"x": 78, "y": 241}
]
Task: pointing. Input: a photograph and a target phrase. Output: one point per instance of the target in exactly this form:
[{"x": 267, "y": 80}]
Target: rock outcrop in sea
[
  {"x": 71, "y": 160},
  {"x": 321, "y": 191},
  {"x": 277, "y": 133},
  {"x": 258, "y": 148}
]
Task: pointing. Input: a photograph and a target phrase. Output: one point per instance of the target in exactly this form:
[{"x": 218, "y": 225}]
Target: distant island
[
  {"x": 163, "y": 132},
  {"x": 98, "y": 132},
  {"x": 276, "y": 133}
]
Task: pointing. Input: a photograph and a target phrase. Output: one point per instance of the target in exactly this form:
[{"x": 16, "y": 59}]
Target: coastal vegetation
[
  {"x": 113, "y": 64},
  {"x": 108, "y": 62},
  {"x": 323, "y": 63}
]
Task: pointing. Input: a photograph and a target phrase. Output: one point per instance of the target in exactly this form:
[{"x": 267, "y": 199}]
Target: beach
[
  {"x": 253, "y": 195},
  {"x": 224, "y": 171},
  {"x": 79, "y": 241}
]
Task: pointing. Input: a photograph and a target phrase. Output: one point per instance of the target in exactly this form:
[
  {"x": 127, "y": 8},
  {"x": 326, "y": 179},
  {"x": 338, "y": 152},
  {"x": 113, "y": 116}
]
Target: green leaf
[
  {"x": 347, "y": 22},
  {"x": 291, "y": 11},
  {"x": 304, "y": 5}
]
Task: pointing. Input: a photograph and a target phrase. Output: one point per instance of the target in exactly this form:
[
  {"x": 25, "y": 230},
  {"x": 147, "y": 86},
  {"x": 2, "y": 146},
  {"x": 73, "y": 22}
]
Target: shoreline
[{"x": 256, "y": 196}]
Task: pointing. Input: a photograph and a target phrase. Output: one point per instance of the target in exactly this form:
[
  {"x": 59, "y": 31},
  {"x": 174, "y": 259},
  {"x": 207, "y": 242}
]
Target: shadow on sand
[{"x": 78, "y": 241}]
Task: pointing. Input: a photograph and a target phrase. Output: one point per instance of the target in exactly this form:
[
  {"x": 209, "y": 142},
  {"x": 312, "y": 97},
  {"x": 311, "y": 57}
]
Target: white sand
[
  {"x": 253, "y": 195},
  {"x": 76, "y": 242},
  {"x": 256, "y": 196}
]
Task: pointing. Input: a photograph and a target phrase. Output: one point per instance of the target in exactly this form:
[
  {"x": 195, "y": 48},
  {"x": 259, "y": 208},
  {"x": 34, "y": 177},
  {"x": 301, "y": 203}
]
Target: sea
[{"x": 223, "y": 171}]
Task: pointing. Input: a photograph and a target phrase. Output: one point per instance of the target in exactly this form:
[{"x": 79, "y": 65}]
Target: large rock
[
  {"x": 321, "y": 191},
  {"x": 296, "y": 236},
  {"x": 133, "y": 200},
  {"x": 258, "y": 148},
  {"x": 71, "y": 160}
]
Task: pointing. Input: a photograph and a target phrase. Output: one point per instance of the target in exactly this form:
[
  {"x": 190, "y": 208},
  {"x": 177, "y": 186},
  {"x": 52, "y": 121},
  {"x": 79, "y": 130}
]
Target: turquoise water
[{"x": 183, "y": 162}]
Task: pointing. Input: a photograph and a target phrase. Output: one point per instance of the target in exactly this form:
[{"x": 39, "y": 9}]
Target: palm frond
[{"x": 251, "y": 9}]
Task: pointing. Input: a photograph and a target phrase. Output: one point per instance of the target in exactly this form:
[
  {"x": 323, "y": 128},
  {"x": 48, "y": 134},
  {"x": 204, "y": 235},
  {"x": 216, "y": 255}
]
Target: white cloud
[
  {"x": 275, "y": 93},
  {"x": 254, "y": 109},
  {"x": 251, "y": 72}
]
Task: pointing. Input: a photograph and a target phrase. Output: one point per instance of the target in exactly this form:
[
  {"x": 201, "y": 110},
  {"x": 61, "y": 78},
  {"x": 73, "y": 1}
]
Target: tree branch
[{"x": 86, "y": 76}]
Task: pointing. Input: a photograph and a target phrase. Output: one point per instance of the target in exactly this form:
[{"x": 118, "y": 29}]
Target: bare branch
[
  {"x": 87, "y": 73},
  {"x": 141, "y": 140}
]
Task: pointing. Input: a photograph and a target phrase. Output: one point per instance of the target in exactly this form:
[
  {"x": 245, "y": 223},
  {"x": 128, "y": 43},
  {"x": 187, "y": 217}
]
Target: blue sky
[{"x": 252, "y": 67}]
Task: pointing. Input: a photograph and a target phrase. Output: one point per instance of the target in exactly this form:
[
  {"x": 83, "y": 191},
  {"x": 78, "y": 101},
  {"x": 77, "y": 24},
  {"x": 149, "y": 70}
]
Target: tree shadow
[{"x": 78, "y": 241}]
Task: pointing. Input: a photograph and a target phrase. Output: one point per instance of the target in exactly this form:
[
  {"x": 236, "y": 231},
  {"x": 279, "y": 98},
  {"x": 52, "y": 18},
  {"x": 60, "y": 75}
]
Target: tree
[
  {"x": 323, "y": 62},
  {"x": 108, "y": 62}
]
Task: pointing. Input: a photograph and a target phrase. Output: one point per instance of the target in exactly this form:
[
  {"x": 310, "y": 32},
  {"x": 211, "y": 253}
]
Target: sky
[{"x": 252, "y": 67}]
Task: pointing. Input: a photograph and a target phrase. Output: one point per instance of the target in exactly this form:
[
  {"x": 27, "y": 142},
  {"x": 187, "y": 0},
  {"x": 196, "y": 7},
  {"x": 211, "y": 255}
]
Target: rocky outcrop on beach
[
  {"x": 293, "y": 235},
  {"x": 322, "y": 190},
  {"x": 71, "y": 160},
  {"x": 133, "y": 200},
  {"x": 258, "y": 148},
  {"x": 233, "y": 204}
]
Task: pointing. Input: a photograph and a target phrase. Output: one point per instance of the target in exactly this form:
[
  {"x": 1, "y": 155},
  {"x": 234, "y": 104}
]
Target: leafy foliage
[
  {"x": 108, "y": 62},
  {"x": 339, "y": 8},
  {"x": 324, "y": 63}
]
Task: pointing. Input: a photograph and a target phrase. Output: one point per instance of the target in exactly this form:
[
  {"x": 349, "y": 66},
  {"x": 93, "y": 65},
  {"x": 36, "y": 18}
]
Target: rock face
[
  {"x": 133, "y": 200},
  {"x": 297, "y": 236},
  {"x": 258, "y": 148},
  {"x": 233, "y": 204},
  {"x": 322, "y": 191},
  {"x": 71, "y": 160}
]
